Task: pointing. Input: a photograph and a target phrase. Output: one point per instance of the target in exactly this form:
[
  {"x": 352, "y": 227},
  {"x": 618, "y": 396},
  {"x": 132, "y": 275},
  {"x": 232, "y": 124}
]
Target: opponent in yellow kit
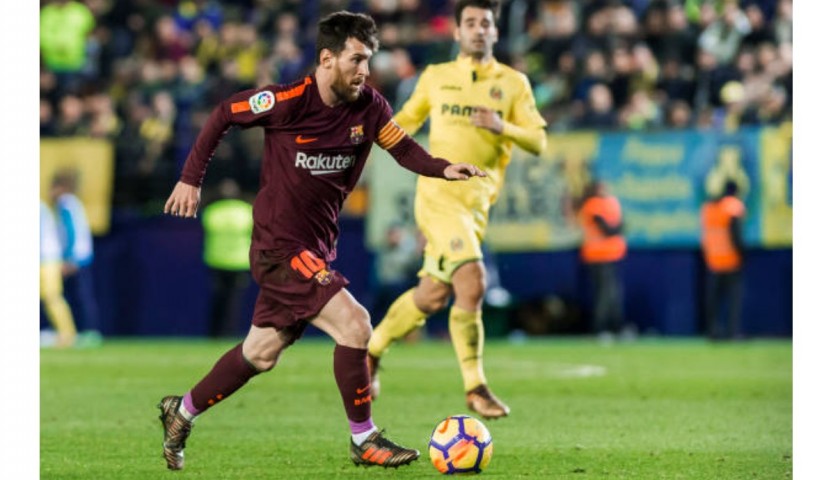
[{"x": 479, "y": 109}]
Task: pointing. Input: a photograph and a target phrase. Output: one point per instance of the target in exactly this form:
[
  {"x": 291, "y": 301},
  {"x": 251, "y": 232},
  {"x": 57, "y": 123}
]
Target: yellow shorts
[{"x": 452, "y": 239}]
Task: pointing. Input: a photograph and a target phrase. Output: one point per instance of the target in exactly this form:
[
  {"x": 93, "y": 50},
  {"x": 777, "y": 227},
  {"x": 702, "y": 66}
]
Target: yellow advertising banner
[
  {"x": 93, "y": 162},
  {"x": 776, "y": 181},
  {"x": 533, "y": 210}
]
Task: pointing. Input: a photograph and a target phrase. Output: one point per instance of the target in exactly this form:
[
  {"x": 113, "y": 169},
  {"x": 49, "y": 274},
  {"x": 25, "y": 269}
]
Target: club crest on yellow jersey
[{"x": 496, "y": 93}]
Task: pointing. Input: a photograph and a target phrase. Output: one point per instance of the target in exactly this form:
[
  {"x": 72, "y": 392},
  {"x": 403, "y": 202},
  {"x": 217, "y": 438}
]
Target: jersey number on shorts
[{"x": 307, "y": 264}]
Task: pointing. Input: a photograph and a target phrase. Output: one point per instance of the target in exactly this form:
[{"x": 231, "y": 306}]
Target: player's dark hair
[
  {"x": 493, "y": 5},
  {"x": 336, "y": 28}
]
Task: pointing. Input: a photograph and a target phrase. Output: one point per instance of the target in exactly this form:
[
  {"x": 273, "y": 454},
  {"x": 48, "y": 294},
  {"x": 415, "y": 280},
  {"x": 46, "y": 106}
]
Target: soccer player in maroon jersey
[{"x": 318, "y": 133}]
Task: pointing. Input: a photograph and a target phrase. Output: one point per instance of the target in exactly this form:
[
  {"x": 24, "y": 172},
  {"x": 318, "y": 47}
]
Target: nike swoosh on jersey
[{"x": 300, "y": 139}]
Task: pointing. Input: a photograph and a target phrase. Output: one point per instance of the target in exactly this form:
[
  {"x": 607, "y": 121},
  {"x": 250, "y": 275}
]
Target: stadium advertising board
[
  {"x": 93, "y": 160},
  {"x": 661, "y": 180},
  {"x": 776, "y": 180},
  {"x": 391, "y": 199}
]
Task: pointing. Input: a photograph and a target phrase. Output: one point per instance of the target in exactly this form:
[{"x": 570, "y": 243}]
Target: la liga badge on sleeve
[{"x": 262, "y": 101}]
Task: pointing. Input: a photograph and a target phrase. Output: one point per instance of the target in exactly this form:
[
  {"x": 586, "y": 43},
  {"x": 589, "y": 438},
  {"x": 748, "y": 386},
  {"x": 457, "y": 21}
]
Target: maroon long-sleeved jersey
[{"x": 313, "y": 157}]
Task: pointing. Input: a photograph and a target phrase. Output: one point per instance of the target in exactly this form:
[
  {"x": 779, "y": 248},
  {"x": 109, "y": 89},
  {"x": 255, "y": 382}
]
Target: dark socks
[
  {"x": 230, "y": 373},
  {"x": 353, "y": 379}
]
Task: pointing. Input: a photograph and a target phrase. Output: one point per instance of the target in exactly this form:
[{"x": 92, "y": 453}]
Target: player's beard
[
  {"x": 476, "y": 49},
  {"x": 344, "y": 90}
]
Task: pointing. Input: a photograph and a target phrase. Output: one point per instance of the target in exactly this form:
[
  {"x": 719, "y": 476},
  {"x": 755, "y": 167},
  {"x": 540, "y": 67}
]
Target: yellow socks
[
  {"x": 58, "y": 312},
  {"x": 465, "y": 329},
  {"x": 467, "y": 332},
  {"x": 402, "y": 318}
]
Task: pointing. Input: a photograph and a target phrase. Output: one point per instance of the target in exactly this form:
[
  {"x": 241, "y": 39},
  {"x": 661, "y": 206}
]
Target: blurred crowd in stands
[{"x": 146, "y": 73}]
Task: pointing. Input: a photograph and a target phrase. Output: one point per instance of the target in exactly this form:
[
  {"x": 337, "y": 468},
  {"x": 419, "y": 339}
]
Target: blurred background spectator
[
  {"x": 54, "y": 305},
  {"x": 227, "y": 224},
  {"x": 723, "y": 252},
  {"x": 64, "y": 30},
  {"x": 76, "y": 256},
  {"x": 602, "y": 251},
  {"x": 396, "y": 266}
]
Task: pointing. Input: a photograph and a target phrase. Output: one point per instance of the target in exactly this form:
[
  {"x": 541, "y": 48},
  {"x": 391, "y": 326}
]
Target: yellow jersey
[{"x": 447, "y": 92}]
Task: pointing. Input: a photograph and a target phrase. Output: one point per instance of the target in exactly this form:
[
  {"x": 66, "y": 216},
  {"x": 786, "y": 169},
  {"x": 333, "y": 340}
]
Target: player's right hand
[
  {"x": 487, "y": 119},
  {"x": 462, "y": 171},
  {"x": 183, "y": 202}
]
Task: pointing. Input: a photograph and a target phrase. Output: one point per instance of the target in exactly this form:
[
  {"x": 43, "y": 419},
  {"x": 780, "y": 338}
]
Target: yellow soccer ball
[{"x": 460, "y": 444}]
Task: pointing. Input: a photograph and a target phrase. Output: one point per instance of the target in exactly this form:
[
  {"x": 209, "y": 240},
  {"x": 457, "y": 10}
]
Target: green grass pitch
[{"x": 654, "y": 409}]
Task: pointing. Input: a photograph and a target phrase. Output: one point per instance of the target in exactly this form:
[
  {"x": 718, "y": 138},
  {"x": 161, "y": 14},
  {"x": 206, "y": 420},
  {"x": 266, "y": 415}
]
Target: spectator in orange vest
[
  {"x": 723, "y": 252},
  {"x": 602, "y": 248}
]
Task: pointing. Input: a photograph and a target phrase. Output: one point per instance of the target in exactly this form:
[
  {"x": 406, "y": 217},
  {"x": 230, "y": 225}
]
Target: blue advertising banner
[{"x": 662, "y": 180}]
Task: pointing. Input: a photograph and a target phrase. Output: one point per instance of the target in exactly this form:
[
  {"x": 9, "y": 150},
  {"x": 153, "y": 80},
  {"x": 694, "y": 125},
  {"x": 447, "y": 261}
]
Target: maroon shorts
[{"x": 293, "y": 288}]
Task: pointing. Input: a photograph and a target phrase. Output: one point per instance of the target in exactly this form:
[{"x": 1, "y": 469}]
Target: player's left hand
[
  {"x": 483, "y": 117},
  {"x": 462, "y": 171}
]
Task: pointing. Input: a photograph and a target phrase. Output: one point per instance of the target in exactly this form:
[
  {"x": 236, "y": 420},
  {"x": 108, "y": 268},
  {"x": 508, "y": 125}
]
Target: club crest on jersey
[
  {"x": 357, "y": 134},
  {"x": 324, "y": 277},
  {"x": 456, "y": 244},
  {"x": 261, "y": 102},
  {"x": 496, "y": 93}
]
